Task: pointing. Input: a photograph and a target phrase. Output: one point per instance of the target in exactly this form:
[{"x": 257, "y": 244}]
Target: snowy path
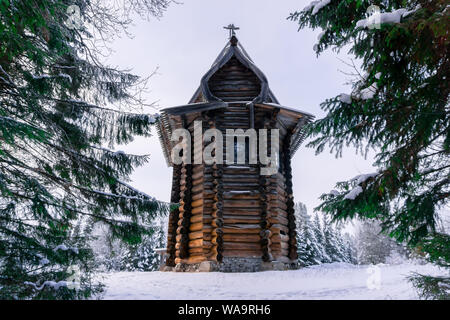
[{"x": 330, "y": 281}]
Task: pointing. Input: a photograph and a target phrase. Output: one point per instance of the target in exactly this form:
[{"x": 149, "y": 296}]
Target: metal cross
[{"x": 231, "y": 28}]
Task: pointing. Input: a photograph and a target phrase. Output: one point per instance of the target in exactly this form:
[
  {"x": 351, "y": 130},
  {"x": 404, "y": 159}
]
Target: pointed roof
[
  {"x": 233, "y": 49},
  {"x": 204, "y": 100}
]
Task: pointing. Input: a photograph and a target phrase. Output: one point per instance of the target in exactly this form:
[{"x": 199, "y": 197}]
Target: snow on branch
[
  {"x": 150, "y": 118},
  {"x": 385, "y": 17},
  {"x": 8, "y": 79},
  {"x": 63, "y": 247},
  {"x": 369, "y": 92},
  {"x": 65, "y": 75},
  {"x": 320, "y": 5},
  {"x": 334, "y": 193},
  {"x": 53, "y": 284},
  {"x": 137, "y": 191},
  {"x": 363, "y": 177},
  {"x": 46, "y": 76},
  {"x": 345, "y": 98},
  {"x": 354, "y": 193},
  {"x": 358, "y": 189},
  {"x": 364, "y": 94},
  {"x": 316, "y": 6},
  {"x": 39, "y": 77}
]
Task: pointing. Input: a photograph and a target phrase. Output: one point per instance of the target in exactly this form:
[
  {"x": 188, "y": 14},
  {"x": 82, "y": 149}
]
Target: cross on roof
[{"x": 232, "y": 28}]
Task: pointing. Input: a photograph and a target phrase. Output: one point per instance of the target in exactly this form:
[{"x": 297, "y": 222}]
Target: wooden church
[{"x": 231, "y": 218}]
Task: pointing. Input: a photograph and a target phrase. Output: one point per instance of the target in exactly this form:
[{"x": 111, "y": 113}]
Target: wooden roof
[{"x": 204, "y": 99}]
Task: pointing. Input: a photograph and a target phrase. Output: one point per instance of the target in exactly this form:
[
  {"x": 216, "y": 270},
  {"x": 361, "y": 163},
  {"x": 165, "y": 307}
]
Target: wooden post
[
  {"x": 173, "y": 217},
  {"x": 264, "y": 190},
  {"x": 290, "y": 199},
  {"x": 217, "y": 214},
  {"x": 185, "y": 213}
]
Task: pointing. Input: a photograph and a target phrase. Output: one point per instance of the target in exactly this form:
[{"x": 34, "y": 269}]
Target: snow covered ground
[{"x": 328, "y": 281}]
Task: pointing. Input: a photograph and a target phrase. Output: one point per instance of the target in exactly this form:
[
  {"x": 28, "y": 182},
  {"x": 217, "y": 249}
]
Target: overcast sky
[{"x": 184, "y": 43}]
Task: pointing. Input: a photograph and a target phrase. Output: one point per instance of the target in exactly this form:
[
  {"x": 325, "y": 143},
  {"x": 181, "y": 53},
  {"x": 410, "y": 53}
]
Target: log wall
[
  {"x": 234, "y": 82},
  {"x": 230, "y": 210}
]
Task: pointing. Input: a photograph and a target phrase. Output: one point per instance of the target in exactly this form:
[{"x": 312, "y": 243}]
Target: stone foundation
[{"x": 231, "y": 264}]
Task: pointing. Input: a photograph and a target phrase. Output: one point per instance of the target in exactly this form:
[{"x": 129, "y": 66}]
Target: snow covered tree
[
  {"x": 399, "y": 107},
  {"x": 108, "y": 250},
  {"x": 372, "y": 246},
  {"x": 321, "y": 242},
  {"x": 317, "y": 227},
  {"x": 340, "y": 243},
  {"x": 307, "y": 244},
  {"x": 332, "y": 245},
  {"x": 350, "y": 254},
  {"x": 142, "y": 256},
  {"x": 62, "y": 112}
]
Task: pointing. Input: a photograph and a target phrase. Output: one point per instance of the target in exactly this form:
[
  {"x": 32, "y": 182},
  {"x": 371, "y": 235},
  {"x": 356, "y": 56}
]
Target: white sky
[{"x": 184, "y": 43}]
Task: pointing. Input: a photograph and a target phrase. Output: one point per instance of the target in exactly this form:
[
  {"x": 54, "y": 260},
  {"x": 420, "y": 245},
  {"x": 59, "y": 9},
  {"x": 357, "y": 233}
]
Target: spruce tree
[
  {"x": 331, "y": 243},
  {"x": 350, "y": 249},
  {"x": 399, "y": 107},
  {"x": 373, "y": 246},
  {"x": 62, "y": 112},
  {"x": 307, "y": 245},
  {"x": 317, "y": 227},
  {"x": 142, "y": 256},
  {"x": 340, "y": 243}
]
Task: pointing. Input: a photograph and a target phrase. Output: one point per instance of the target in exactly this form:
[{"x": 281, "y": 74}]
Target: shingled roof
[{"x": 204, "y": 99}]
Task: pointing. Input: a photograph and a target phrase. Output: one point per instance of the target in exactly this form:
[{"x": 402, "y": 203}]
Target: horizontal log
[
  {"x": 280, "y": 246},
  {"x": 197, "y": 218},
  {"x": 196, "y": 235},
  {"x": 279, "y": 220},
  {"x": 217, "y": 222},
  {"x": 242, "y": 211},
  {"x": 198, "y": 181},
  {"x": 196, "y": 226},
  {"x": 282, "y": 258},
  {"x": 243, "y": 253},
  {"x": 197, "y": 175},
  {"x": 197, "y": 243},
  {"x": 198, "y": 188},
  {"x": 197, "y": 210},
  {"x": 237, "y": 219},
  {"x": 241, "y": 203},
  {"x": 234, "y": 237},
  {"x": 196, "y": 251},
  {"x": 192, "y": 259},
  {"x": 278, "y": 228},
  {"x": 240, "y": 168},
  {"x": 208, "y": 218},
  {"x": 276, "y": 238},
  {"x": 197, "y": 169},
  {"x": 241, "y": 246},
  {"x": 279, "y": 204},
  {"x": 235, "y": 193},
  {"x": 197, "y": 196},
  {"x": 197, "y": 203},
  {"x": 242, "y": 228}
]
